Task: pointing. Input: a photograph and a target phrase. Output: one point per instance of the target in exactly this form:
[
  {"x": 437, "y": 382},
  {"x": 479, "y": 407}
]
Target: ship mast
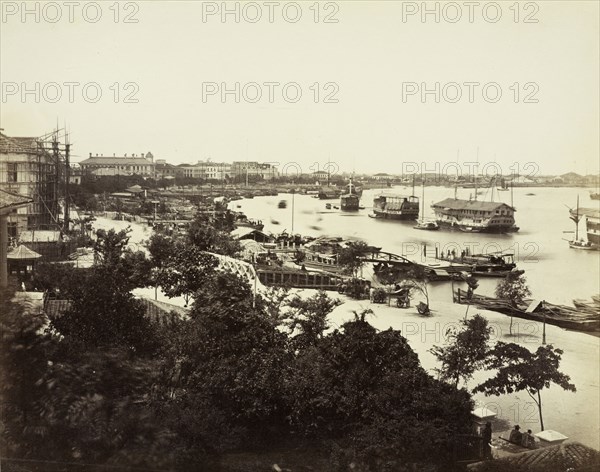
[
  {"x": 476, "y": 172},
  {"x": 423, "y": 199},
  {"x": 577, "y": 221}
]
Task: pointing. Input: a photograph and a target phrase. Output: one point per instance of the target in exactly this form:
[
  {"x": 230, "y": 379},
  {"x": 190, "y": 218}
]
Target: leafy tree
[
  {"x": 58, "y": 278},
  {"x": 513, "y": 288},
  {"x": 234, "y": 361},
  {"x": 185, "y": 271},
  {"x": 519, "y": 369},
  {"x": 309, "y": 318},
  {"x": 351, "y": 256},
  {"x": 109, "y": 246},
  {"x": 103, "y": 313},
  {"x": 366, "y": 391},
  {"x": 466, "y": 351},
  {"x": 212, "y": 234}
]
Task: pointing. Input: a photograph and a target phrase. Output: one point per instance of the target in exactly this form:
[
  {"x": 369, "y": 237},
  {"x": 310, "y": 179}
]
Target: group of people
[
  {"x": 516, "y": 437},
  {"x": 523, "y": 439}
]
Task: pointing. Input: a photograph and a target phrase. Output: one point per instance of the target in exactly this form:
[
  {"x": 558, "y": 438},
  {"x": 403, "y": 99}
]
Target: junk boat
[
  {"x": 351, "y": 200},
  {"x": 282, "y": 204},
  {"x": 396, "y": 207}
]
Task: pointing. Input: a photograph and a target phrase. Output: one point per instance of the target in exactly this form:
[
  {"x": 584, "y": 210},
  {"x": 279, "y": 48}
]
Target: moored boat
[
  {"x": 427, "y": 226},
  {"x": 474, "y": 216},
  {"x": 350, "y": 201},
  {"x": 396, "y": 207}
]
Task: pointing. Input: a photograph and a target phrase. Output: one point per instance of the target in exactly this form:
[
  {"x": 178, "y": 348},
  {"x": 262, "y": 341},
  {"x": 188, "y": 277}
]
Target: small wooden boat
[
  {"x": 427, "y": 226},
  {"x": 282, "y": 204},
  {"x": 581, "y": 244},
  {"x": 328, "y": 206}
]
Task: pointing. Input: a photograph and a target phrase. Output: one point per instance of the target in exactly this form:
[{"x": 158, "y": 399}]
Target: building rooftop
[
  {"x": 458, "y": 204},
  {"x": 19, "y": 145},
  {"x": 22, "y": 253},
  {"x": 116, "y": 160},
  {"x": 565, "y": 456}
]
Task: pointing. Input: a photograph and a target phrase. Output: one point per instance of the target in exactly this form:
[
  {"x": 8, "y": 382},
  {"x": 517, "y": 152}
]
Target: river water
[{"x": 554, "y": 271}]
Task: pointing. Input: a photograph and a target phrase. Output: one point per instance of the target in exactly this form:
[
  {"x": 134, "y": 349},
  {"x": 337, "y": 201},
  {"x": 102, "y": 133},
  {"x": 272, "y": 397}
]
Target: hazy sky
[{"x": 375, "y": 59}]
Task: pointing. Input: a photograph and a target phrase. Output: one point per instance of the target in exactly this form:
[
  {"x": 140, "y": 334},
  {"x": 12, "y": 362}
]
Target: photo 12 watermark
[
  {"x": 70, "y": 12},
  {"x": 436, "y": 333},
  {"x": 69, "y": 92},
  {"x": 470, "y": 92},
  {"x": 270, "y": 12},
  {"x": 470, "y": 12},
  {"x": 270, "y": 92},
  {"x": 443, "y": 171}
]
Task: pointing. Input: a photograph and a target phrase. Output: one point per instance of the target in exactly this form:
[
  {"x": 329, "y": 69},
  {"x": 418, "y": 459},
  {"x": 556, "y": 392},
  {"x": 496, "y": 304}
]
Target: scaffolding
[{"x": 38, "y": 168}]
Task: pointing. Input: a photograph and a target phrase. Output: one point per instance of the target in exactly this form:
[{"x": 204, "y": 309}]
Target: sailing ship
[
  {"x": 593, "y": 228},
  {"x": 473, "y": 216},
  {"x": 350, "y": 201},
  {"x": 422, "y": 224}
]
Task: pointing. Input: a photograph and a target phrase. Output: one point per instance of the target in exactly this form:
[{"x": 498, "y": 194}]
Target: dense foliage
[{"x": 104, "y": 384}]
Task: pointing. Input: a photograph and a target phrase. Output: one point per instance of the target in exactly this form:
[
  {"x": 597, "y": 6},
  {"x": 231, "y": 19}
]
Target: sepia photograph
[{"x": 300, "y": 236}]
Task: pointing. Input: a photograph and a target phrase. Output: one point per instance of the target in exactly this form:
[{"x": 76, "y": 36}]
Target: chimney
[
  {"x": 125, "y": 154},
  {"x": 90, "y": 154},
  {"x": 114, "y": 154}
]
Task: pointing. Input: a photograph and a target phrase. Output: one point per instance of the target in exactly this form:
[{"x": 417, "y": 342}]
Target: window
[{"x": 11, "y": 170}]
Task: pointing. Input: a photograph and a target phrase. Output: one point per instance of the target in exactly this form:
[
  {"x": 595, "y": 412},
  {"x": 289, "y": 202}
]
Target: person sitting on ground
[
  {"x": 528, "y": 440},
  {"x": 515, "y": 435}
]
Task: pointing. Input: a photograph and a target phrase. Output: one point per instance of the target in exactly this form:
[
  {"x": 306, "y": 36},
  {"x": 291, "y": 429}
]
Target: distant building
[
  {"x": 382, "y": 176},
  {"x": 120, "y": 165},
  {"x": 321, "y": 176},
  {"x": 207, "y": 170},
  {"x": 164, "y": 170},
  {"x": 265, "y": 171},
  {"x": 29, "y": 170}
]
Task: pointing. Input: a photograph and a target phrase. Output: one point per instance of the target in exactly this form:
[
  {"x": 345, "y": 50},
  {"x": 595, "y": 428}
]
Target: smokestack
[{"x": 90, "y": 154}]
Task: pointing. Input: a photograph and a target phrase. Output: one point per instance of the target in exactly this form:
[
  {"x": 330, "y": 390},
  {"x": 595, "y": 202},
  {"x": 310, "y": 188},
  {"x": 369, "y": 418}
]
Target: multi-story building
[
  {"x": 265, "y": 171},
  {"x": 133, "y": 164},
  {"x": 164, "y": 170},
  {"x": 29, "y": 169},
  {"x": 207, "y": 170}
]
